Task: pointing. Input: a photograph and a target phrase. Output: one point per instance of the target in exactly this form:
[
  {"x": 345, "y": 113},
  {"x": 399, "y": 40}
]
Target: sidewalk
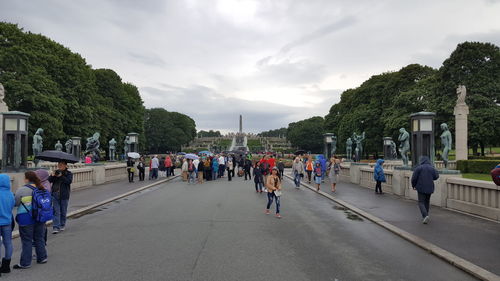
[{"x": 474, "y": 239}]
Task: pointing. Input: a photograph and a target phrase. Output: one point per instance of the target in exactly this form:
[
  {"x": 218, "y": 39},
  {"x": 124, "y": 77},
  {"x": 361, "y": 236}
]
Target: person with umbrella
[
  {"x": 142, "y": 168},
  {"x": 130, "y": 169},
  {"x": 61, "y": 180}
]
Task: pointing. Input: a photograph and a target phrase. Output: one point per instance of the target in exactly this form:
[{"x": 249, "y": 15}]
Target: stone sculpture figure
[
  {"x": 394, "y": 153},
  {"x": 348, "y": 148},
  {"x": 93, "y": 145},
  {"x": 404, "y": 145},
  {"x": 2, "y": 94},
  {"x": 446, "y": 142},
  {"x": 37, "y": 144},
  {"x": 69, "y": 146},
  {"x": 112, "y": 149},
  {"x": 461, "y": 95},
  {"x": 58, "y": 146},
  {"x": 359, "y": 145},
  {"x": 334, "y": 145},
  {"x": 126, "y": 145}
]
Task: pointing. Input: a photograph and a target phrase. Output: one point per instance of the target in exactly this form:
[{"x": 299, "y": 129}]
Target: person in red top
[
  {"x": 495, "y": 175},
  {"x": 272, "y": 162},
  {"x": 168, "y": 165}
]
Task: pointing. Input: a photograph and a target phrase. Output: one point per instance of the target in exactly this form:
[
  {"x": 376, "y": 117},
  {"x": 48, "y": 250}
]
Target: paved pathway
[{"x": 218, "y": 231}]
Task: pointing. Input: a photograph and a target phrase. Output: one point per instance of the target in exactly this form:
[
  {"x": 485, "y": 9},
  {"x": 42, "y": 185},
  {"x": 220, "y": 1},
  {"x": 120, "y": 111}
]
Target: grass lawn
[{"x": 473, "y": 176}]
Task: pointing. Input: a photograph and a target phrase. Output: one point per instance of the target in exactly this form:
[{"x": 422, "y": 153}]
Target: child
[
  {"x": 318, "y": 174},
  {"x": 6, "y": 221}
]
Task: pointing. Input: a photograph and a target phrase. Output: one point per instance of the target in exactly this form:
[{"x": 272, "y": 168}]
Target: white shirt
[
  {"x": 222, "y": 160},
  {"x": 155, "y": 163},
  {"x": 195, "y": 163}
]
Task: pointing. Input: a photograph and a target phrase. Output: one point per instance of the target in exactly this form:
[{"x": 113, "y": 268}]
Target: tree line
[
  {"x": 67, "y": 97},
  {"x": 382, "y": 104}
]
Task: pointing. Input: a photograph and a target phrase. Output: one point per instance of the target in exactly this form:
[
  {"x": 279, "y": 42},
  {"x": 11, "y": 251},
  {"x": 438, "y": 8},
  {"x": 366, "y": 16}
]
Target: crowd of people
[{"x": 43, "y": 197}]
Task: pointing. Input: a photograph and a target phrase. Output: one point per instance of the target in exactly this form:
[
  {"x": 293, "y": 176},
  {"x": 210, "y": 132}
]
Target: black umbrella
[
  {"x": 57, "y": 156},
  {"x": 300, "y": 152}
]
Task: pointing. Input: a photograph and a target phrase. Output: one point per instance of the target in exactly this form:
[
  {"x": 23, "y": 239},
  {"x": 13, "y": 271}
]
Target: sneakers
[
  {"x": 44, "y": 261},
  {"x": 18, "y": 266},
  {"x": 426, "y": 220},
  {"x": 278, "y": 216},
  {"x": 61, "y": 229},
  {"x": 268, "y": 212},
  {"x": 55, "y": 231}
]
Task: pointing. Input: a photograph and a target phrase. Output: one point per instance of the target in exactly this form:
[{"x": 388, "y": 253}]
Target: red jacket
[
  {"x": 495, "y": 175},
  {"x": 168, "y": 162}
]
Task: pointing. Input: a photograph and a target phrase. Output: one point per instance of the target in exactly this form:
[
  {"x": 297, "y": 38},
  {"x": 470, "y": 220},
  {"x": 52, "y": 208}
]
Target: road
[{"x": 218, "y": 231}]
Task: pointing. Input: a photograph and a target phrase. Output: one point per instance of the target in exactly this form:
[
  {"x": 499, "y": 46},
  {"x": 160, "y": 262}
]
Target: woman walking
[
  {"x": 215, "y": 168},
  {"x": 309, "y": 168},
  {"x": 201, "y": 170},
  {"x": 318, "y": 174},
  {"x": 7, "y": 203},
  {"x": 258, "y": 178},
  {"x": 422, "y": 180},
  {"x": 141, "y": 166},
  {"x": 191, "y": 170},
  {"x": 184, "y": 170},
  {"x": 273, "y": 185},
  {"x": 334, "y": 172},
  {"x": 29, "y": 230},
  {"x": 230, "y": 168},
  {"x": 297, "y": 171},
  {"x": 379, "y": 176},
  {"x": 130, "y": 169}
]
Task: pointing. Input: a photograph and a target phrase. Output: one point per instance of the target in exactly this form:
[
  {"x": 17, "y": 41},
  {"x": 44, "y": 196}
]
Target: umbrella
[
  {"x": 181, "y": 153},
  {"x": 205, "y": 152},
  {"x": 300, "y": 152},
  {"x": 191, "y": 156},
  {"x": 57, "y": 156},
  {"x": 134, "y": 155}
]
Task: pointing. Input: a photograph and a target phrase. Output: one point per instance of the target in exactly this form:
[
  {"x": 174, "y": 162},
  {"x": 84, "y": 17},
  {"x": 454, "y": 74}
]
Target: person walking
[
  {"x": 61, "y": 181},
  {"x": 7, "y": 203},
  {"x": 201, "y": 170},
  {"x": 230, "y": 168},
  {"x": 258, "y": 178},
  {"x": 273, "y": 185},
  {"x": 44, "y": 175},
  {"x": 141, "y": 166},
  {"x": 168, "y": 165},
  {"x": 162, "y": 170},
  {"x": 184, "y": 169},
  {"x": 495, "y": 175},
  {"x": 281, "y": 168},
  {"x": 155, "y": 164},
  {"x": 215, "y": 168},
  {"x": 422, "y": 180},
  {"x": 207, "y": 168},
  {"x": 222, "y": 165},
  {"x": 297, "y": 171},
  {"x": 309, "y": 168},
  {"x": 30, "y": 230},
  {"x": 130, "y": 169},
  {"x": 318, "y": 175},
  {"x": 379, "y": 176},
  {"x": 191, "y": 170},
  {"x": 334, "y": 172}
]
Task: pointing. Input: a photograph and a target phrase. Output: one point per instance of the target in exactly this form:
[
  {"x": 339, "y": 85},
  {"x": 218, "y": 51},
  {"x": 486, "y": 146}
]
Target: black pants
[
  {"x": 247, "y": 173},
  {"x": 229, "y": 174},
  {"x": 130, "y": 175},
  {"x": 142, "y": 174},
  {"x": 424, "y": 200},
  {"x": 378, "y": 187},
  {"x": 281, "y": 173},
  {"x": 207, "y": 174},
  {"x": 309, "y": 174}
]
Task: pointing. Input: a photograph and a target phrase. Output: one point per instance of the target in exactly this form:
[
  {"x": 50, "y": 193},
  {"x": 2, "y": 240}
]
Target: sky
[{"x": 273, "y": 61}]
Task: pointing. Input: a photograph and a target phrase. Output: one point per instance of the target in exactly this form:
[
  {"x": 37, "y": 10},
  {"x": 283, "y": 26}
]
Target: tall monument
[
  {"x": 241, "y": 124},
  {"x": 461, "y": 130}
]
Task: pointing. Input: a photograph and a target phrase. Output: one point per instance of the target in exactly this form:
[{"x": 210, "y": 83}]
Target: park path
[{"x": 218, "y": 231}]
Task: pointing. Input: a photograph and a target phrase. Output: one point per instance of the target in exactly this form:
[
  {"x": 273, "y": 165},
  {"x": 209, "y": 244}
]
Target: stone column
[
  {"x": 461, "y": 132},
  {"x": 3, "y": 108}
]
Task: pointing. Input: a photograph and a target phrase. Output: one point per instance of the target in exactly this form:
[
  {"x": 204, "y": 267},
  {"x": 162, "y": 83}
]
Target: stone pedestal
[{"x": 461, "y": 132}]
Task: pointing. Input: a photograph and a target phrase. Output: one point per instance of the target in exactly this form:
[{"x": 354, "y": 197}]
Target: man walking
[
  {"x": 246, "y": 167},
  {"x": 222, "y": 166},
  {"x": 155, "y": 163},
  {"x": 423, "y": 181},
  {"x": 61, "y": 180}
]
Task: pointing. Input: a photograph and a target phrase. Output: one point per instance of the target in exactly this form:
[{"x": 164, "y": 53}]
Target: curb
[
  {"x": 15, "y": 234},
  {"x": 453, "y": 259}
]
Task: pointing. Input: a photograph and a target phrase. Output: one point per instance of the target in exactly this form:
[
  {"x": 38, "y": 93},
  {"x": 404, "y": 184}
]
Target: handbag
[{"x": 278, "y": 193}]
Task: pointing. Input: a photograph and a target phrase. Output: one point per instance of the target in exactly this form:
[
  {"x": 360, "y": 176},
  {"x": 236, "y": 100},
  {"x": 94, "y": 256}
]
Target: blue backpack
[{"x": 41, "y": 205}]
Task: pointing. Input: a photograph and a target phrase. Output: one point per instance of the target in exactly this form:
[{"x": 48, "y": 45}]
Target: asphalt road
[{"x": 218, "y": 231}]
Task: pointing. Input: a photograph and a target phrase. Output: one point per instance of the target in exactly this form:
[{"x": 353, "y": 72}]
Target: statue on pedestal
[
  {"x": 112, "y": 149},
  {"x": 404, "y": 145},
  {"x": 58, "y": 146},
  {"x": 359, "y": 145},
  {"x": 394, "y": 153},
  {"x": 126, "y": 145},
  {"x": 3, "y": 105},
  {"x": 446, "y": 142},
  {"x": 93, "y": 145},
  {"x": 69, "y": 146},
  {"x": 334, "y": 145},
  {"x": 461, "y": 95},
  {"x": 348, "y": 148},
  {"x": 37, "y": 144}
]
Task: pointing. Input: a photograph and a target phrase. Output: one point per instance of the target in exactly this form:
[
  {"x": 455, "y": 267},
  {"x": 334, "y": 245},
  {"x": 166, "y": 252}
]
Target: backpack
[{"x": 41, "y": 205}]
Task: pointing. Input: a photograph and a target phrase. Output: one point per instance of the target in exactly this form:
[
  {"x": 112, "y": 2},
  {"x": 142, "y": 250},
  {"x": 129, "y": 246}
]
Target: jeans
[
  {"x": 423, "y": 203},
  {"x": 270, "y": 197},
  {"x": 6, "y": 234},
  {"x": 296, "y": 180},
  {"x": 29, "y": 234},
  {"x": 378, "y": 187},
  {"x": 221, "y": 170},
  {"x": 282, "y": 173},
  {"x": 154, "y": 173},
  {"x": 258, "y": 186},
  {"x": 60, "y": 210},
  {"x": 192, "y": 177},
  {"x": 214, "y": 174},
  {"x": 247, "y": 173}
]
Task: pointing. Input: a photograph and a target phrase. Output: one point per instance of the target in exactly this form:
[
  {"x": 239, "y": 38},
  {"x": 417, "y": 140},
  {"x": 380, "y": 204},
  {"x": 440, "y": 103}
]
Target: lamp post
[
  {"x": 77, "y": 146},
  {"x": 387, "y": 148},
  {"x": 15, "y": 140},
  {"x": 133, "y": 142},
  {"x": 422, "y": 136},
  {"x": 328, "y": 139}
]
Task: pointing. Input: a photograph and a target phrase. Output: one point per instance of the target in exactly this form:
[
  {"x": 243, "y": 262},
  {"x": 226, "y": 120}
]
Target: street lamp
[
  {"x": 422, "y": 136},
  {"x": 77, "y": 146},
  {"x": 133, "y": 142},
  {"x": 328, "y": 139},
  {"x": 388, "y": 148},
  {"x": 15, "y": 140}
]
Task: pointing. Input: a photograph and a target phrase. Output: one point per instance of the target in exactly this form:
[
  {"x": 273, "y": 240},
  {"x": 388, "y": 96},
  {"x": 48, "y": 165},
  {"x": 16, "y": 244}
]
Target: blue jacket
[
  {"x": 215, "y": 165},
  {"x": 424, "y": 176},
  {"x": 6, "y": 200},
  {"x": 378, "y": 172}
]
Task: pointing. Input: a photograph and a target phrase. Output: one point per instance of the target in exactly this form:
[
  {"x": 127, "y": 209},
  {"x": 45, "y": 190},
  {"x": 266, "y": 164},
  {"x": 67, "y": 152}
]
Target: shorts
[{"x": 317, "y": 180}]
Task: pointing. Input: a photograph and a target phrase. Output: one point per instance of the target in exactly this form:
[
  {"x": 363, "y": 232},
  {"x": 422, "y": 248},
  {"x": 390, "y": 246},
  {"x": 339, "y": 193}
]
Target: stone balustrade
[
  {"x": 115, "y": 172},
  {"x": 474, "y": 196},
  {"x": 82, "y": 177},
  {"x": 367, "y": 179}
]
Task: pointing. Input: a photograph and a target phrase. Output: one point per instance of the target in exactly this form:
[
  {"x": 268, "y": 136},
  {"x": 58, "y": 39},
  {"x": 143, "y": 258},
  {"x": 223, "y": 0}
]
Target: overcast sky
[{"x": 274, "y": 61}]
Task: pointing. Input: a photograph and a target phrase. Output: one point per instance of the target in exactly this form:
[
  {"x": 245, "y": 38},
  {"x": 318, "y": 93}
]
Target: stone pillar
[
  {"x": 3, "y": 108},
  {"x": 461, "y": 131}
]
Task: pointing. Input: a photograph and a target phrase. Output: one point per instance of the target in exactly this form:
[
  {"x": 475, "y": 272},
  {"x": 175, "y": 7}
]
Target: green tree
[{"x": 307, "y": 134}]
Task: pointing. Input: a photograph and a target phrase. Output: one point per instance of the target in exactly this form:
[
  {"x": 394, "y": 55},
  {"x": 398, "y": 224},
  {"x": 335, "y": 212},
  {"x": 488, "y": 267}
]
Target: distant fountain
[{"x": 240, "y": 140}]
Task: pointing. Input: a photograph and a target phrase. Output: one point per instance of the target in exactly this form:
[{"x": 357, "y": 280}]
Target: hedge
[{"x": 476, "y": 166}]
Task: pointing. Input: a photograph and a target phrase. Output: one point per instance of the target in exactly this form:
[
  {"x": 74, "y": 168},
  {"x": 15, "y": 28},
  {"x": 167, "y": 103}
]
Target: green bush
[{"x": 476, "y": 166}]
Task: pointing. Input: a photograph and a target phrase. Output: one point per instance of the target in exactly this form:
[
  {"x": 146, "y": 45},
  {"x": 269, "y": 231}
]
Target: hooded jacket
[
  {"x": 378, "y": 171},
  {"x": 424, "y": 176},
  {"x": 61, "y": 186},
  {"x": 495, "y": 175},
  {"x": 6, "y": 200},
  {"x": 43, "y": 175}
]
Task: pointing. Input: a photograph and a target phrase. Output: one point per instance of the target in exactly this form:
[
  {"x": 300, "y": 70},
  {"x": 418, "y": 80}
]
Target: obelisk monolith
[
  {"x": 241, "y": 124},
  {"x": 461, "y": 131}
]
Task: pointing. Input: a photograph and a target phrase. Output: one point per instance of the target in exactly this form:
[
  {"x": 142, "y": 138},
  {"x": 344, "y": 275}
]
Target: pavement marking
[
  {"x": 453, "y": 259},
  {"x": 15, "y": 234}
]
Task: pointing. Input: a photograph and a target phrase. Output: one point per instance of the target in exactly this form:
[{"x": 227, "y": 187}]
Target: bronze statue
[
  {"x": 404, "y": 145},
  {"x": 93, "y": 145},
  {"x": 58, "y": 146},
  {"x": 446, "y": 142},
  {"x": 37, "y": 144}
]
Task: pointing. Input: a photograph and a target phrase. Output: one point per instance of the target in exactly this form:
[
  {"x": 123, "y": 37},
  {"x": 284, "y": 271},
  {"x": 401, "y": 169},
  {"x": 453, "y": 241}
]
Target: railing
[
  {"x": 53, "y": 166},
  {"x": 115, "y": 172},
  {"x": 367, "y": 179},
  {"x": 82, "y": 177},
  {"x": 472, "y": 196}
]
